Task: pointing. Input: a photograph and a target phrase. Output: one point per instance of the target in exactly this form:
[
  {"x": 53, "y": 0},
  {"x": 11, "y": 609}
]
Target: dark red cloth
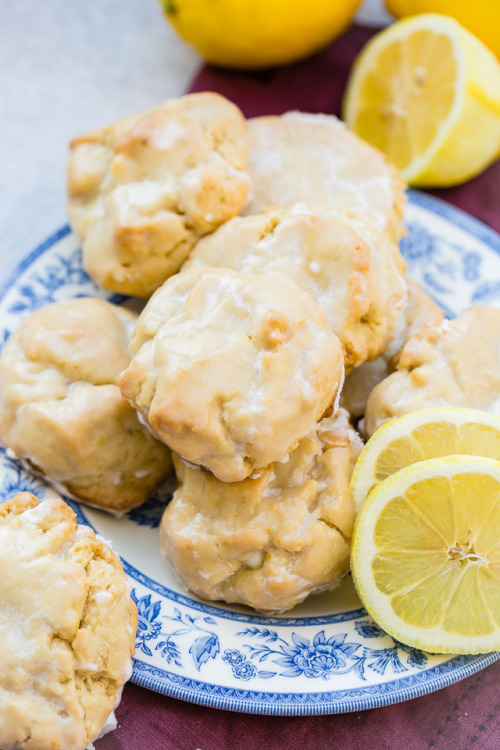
[{"x": 464, "y": 716}]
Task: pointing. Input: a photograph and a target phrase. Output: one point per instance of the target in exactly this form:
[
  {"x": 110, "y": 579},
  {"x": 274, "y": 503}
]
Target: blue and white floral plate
[{"x": 327, "y": 656}]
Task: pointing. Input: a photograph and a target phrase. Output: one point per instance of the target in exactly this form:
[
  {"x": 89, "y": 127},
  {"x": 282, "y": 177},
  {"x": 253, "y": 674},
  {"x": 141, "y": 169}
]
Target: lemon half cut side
[
  {"x": 420, "y": 435},
  {"x": 425, "y": 555},
  {"x": 426, "y": 92}
]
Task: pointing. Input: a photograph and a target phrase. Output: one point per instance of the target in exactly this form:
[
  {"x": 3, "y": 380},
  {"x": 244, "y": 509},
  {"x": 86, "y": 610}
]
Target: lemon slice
[
  {"x": 426, "y": 92},
  {"x": 420, "y": 435},
  {"x": 425, "y": 555}
]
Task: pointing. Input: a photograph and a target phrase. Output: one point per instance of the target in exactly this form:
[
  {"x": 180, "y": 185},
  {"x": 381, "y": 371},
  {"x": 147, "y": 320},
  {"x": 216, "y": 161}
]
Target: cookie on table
[
  {"x": 453, "y": 364},
  {"x": 67, "y": 627},
  {"x": 353, "y": 271},
  {"x": 299, "y": 157},
  {"x": 274, "y": 538},
  {"x": 61, "y": 413},
  {"x": 143, "y": 190},
  {"x": 420, "y": 310},
  {"x": 231, "y": 370}
]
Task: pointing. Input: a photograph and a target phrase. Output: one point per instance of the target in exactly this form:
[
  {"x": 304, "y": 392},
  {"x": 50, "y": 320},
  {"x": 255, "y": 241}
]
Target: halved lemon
[
  {"x": 425, "y": 555},
  {"x": 420, "y": 435},
  {"x": 426, "y": 92}
]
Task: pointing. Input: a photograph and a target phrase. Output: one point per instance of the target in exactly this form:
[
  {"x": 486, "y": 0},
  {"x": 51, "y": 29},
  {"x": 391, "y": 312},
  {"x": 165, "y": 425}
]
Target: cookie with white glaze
[
  {"x": 67, "y": 628},
  {"x": 231, "y": 370},
  {"x": 452, "y": 364},
  {"x": 142, "y": 191},
  {"x": 61, "y": 413},
  {"x": 300, "y": 157},
  {"x": 274, "y": 538},
  {"x": 352, "y": 270}
]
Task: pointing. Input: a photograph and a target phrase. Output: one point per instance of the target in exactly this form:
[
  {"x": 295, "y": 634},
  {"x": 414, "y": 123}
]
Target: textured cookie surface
[
  {"x": 67, "y": 628},
  {"x": 232, "y": 369},
  {"x": 420, "y": 310},
  {"x": 274, "y": 538},
  {"x": 305, "y": 157},
  {"x": 142, "y": 191},
  {"x": 454, "y": 364},
  {"x": 352, "y": 270},
  {"x": 62, "y": 414}
]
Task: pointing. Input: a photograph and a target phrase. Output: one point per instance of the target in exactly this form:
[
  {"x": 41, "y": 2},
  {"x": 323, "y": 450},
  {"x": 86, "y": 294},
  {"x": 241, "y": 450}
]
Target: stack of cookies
[
  {"x": 270, "y": 249},
  {"x": 234, "y": 372}
]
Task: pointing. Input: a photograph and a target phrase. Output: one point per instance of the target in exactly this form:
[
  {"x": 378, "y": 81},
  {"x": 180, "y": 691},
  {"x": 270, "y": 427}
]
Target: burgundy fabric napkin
[{"x": 464, "y": 716}]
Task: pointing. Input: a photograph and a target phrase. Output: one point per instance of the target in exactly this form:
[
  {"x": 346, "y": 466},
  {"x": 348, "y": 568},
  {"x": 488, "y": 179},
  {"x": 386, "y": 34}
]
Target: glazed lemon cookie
[
  {"x": 67, "y": 628},
  {"x": 274, "y": 538},
  {"x": 420, "y": 310},
  {"x": 301, "y": 157},
  {"x": 230, "y": 370},
  {"x": 61, "y": 413},
  {"x": 453, "y": 364},
  {"x": 142, "y": 191},
  {"x": 354, "y": 272}
]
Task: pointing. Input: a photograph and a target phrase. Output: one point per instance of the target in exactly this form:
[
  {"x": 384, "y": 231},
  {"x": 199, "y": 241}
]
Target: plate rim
[
  {"x": 458, "y": 216},
  {"x": 307, "y": 702},
  {"x": 269, "y": 703}
]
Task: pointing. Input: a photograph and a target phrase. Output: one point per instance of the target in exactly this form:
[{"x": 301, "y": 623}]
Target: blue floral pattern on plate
[
  {"x": 178, "y": 636},
  {"x": 326, "y": 656}
]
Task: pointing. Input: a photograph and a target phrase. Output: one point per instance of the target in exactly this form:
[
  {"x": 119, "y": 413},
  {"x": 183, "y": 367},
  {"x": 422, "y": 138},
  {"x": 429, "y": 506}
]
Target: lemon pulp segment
[{"x": 407, "y": 95}]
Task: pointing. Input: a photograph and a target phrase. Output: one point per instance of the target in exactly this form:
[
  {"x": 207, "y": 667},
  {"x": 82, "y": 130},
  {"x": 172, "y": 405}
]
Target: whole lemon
[
  {"x": 258, "y": 33},
  {"x": 481, "y": 17}
]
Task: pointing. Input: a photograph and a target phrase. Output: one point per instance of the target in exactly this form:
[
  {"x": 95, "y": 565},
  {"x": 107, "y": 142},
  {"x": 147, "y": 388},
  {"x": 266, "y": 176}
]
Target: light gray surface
[{"x": 67, "y": 66}]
